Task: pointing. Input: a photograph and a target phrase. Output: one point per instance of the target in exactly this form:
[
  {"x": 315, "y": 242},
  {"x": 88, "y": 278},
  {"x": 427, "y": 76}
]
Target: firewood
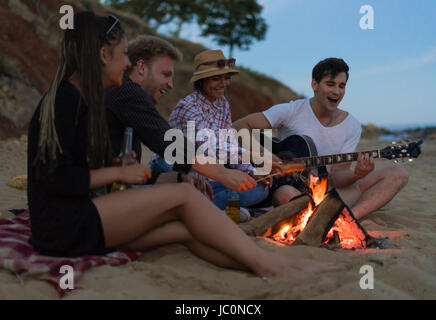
[
  {"x": 270, "y": 223},
  {"x": 321, "y": 221}
]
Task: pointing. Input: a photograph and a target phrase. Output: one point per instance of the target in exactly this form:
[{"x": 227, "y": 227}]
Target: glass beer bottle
[
  {"x": 125, "y": 157},
  {"x": 233, "y": 206}
]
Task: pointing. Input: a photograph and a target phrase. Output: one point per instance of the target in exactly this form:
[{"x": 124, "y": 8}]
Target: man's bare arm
[
  {"x": 252, "y": 121},
  {"x": 230, "y": 178},
  {"x": 256, "y": 121}
]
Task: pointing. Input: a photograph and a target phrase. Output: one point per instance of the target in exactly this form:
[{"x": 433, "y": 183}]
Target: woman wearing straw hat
[{"x": 209, "y": 108}]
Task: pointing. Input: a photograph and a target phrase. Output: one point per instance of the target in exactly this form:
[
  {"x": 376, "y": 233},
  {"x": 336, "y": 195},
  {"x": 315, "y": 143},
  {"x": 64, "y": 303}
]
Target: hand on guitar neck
[{"x": 365, "y": 164}]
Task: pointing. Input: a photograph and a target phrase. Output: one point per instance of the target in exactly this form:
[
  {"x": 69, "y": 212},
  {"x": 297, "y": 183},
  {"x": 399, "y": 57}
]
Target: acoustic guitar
[{"x": 300, "y": 154}]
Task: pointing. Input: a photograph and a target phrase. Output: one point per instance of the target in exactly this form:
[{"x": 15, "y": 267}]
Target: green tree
[{"x": 236, "y": 23}]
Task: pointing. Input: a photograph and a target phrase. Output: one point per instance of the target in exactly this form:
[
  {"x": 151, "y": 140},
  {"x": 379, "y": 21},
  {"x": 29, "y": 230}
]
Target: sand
[{"x": 406, "y": 271}]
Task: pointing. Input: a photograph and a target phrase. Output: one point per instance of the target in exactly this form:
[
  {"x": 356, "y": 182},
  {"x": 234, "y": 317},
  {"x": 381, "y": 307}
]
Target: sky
[{"x": 392, "y": 66}]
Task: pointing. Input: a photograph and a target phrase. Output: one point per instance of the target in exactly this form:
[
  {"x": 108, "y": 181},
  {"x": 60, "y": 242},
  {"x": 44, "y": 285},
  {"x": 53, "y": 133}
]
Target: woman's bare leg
[
  {"x": 127, "y": 215},
  {"x": 176, "y": 232}
]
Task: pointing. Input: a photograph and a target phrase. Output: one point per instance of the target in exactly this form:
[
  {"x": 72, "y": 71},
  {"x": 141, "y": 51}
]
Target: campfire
[
  {"x": 317, "y": 219},
  {"x": 345, "y": 230}
]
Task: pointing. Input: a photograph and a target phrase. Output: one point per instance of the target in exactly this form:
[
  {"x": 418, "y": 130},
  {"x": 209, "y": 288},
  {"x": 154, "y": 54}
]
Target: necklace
[{"x": 331, "y": 120}]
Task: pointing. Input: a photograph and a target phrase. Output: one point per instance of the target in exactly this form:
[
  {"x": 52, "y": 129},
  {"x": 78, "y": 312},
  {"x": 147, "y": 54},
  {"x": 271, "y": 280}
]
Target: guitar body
[{"x": 293, "y": 147}]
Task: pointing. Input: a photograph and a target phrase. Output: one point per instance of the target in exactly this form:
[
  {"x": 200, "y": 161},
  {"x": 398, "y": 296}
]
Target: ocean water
[{"x": 400, "y": 127}]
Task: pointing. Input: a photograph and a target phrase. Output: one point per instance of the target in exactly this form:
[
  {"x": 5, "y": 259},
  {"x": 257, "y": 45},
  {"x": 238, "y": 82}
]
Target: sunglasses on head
[
  {"x": 221, "y": 63},
  {"x": 116, "y": 21}
]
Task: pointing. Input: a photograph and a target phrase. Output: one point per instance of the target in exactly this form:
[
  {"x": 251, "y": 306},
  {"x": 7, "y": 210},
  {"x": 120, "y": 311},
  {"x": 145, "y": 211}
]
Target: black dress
[{"x": 64, "y": 220}]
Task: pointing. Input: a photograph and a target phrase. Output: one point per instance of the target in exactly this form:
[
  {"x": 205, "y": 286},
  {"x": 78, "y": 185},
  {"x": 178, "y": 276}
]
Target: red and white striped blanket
[{"x": 19, "y": 257}]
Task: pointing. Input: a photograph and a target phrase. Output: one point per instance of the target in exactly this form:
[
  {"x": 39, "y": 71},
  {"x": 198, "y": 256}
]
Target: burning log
[
  {"x": 271, "y": 222},
  {"x": 333, "y": 222},
  {"x": 321, "y": 221}
]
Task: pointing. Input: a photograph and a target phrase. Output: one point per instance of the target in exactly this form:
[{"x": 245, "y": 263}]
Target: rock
[{"x": 18, "y": 100}]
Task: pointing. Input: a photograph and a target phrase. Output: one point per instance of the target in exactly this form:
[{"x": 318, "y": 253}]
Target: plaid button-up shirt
[{"x": 213, "y": 117}]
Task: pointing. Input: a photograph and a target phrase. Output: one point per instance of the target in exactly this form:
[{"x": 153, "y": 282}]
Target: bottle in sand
[
  {"x": 233, "y": 206},
  {"x": 125, "y": 157}
]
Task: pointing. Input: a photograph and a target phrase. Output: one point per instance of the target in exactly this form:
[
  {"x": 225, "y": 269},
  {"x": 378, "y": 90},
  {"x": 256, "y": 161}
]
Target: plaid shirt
[{"x": 212, "y": 116}]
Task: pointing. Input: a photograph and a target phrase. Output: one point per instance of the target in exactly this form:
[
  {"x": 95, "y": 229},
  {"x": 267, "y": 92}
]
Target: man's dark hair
[{"x": 329, "y": 67}]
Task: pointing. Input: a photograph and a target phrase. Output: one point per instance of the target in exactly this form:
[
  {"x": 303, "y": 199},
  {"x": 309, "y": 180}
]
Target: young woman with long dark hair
[{"x": 67, "y": 153}]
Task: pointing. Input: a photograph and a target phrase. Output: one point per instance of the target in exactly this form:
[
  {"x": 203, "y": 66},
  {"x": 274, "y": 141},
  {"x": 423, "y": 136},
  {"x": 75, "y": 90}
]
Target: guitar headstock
[{"x": 402, "y": 151}]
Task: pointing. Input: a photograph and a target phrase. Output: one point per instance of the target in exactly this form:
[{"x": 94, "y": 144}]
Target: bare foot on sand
[{"x": 280, "y": 267}]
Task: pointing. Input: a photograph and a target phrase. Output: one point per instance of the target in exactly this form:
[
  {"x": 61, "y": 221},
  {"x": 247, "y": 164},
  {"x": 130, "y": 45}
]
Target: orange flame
[
  {"x": 289, "y": 233},
  {"x": 350, "y": 235}
]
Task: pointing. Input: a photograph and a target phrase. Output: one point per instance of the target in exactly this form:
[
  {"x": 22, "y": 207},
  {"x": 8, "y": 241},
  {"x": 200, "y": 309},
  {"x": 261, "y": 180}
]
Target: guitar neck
[{"x": 336, "y": 158}]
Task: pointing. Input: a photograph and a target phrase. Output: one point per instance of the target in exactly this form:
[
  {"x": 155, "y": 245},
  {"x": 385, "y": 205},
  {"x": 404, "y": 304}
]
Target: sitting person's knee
[
  {"x": 283, "y": 195},
  {"x": 399, "y": 174},
  {"x": 186, "y": 189}
]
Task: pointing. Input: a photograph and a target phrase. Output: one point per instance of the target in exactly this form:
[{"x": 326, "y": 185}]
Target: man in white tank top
[{"x": 333, "y": 130}]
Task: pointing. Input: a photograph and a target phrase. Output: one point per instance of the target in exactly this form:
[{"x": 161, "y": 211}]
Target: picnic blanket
[{"x": 19, "y": 257}]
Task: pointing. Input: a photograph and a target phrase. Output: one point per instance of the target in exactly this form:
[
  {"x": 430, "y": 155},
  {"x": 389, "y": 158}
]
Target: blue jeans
[
  {"x": 246, "y": 198},
  {"x": 221, "y": 193},
  {"x": 161, "y": 165}
]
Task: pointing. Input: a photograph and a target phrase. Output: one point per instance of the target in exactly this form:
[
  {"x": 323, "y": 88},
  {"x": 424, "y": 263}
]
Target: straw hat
[{"x": 210, "y": 63}]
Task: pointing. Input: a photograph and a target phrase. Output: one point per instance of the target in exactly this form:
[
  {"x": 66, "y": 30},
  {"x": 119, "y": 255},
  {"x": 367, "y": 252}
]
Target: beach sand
[{"x": 406, "y": 271}]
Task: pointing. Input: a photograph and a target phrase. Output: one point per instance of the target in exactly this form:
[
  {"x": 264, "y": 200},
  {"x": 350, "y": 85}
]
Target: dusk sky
[{"x": 392, "y": 66}]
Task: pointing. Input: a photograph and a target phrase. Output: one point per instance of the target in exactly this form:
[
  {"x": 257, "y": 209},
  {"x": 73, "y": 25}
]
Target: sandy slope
[{"x": 407, "y": 271}]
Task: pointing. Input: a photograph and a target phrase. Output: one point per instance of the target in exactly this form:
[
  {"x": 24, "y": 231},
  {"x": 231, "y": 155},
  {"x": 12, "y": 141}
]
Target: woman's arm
[{"x": 132, "y": 174}]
